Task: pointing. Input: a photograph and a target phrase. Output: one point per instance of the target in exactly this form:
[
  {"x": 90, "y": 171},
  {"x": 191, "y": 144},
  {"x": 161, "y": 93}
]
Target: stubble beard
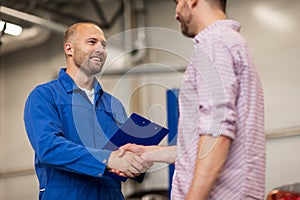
[
  {"x": 186, "y": 21},
  {"x": 185, "y": 29},
  {"x": 85, "y": 65}
]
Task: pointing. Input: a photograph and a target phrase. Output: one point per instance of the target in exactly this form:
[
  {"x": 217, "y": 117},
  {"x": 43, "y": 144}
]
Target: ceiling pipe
[
  {"x": 103, "y": 21},
  {"x": 99, "y": 11},
  {"x": 28, "y": 38},
  {"x": 35, "y": 35},
  {"x": 139, "y": 52},
  {"x": 128, "y": 48},
  {"x": 142, "y": 71},
  {"x": 53, "y": 26}
]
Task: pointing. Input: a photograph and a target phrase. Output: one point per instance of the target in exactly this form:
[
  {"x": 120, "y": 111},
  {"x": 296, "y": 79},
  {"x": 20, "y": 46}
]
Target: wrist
[
  {"x": 150, "y": 154},
  {"x": 111, "y": 160}
]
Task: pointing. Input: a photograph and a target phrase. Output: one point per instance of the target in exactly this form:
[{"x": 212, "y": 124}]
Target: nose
[
  {"x": 99, "y": 47},
  {"x": 176, "y": 16}
]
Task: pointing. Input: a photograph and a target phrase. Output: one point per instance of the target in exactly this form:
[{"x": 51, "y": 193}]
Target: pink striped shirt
[{"x": 222, "y": 95}]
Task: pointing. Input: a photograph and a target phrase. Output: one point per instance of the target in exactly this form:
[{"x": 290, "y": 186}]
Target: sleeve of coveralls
[{"x": 45, "y": 133}]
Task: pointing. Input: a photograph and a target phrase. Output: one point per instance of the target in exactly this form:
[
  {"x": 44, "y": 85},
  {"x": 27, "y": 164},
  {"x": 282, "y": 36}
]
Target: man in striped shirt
[{"x": 220, "y": 152}]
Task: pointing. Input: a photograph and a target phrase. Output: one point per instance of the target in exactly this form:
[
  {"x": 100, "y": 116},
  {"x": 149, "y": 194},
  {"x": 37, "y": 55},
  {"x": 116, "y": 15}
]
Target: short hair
[
  {"x": 223, "y": 5},
  {"x": 71, "y": 31}
]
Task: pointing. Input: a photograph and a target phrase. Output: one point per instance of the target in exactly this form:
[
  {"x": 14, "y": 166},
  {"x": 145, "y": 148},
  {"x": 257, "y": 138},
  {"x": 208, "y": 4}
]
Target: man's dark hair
[{"x": 223, "y": 5}]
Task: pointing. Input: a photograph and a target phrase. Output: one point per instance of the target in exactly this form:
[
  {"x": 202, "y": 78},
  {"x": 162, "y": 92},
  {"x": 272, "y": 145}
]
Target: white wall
[
  {"x": 21, "y": 72},
  {"x": 271, "y": 29},
  {"x": 282, "y": 161},
  {"x": 275, "y": 45}
]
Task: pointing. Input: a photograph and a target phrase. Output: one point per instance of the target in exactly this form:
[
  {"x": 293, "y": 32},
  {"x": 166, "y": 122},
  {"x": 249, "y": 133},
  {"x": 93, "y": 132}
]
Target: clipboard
[{"x": 138, "y": 130}]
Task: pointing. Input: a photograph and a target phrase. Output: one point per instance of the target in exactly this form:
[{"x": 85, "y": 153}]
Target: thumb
[
  {"x": 121, "y": 152},
  {"x": 137, "y": 149},
  {"x": 124, "y": 148}
]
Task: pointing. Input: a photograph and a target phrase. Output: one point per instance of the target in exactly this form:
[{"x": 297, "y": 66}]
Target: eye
[{"x": 91, "y": 42}]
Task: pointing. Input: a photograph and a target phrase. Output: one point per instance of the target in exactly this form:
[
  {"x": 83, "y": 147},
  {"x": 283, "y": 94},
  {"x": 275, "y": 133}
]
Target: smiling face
[{"x": 88, "y": 48}]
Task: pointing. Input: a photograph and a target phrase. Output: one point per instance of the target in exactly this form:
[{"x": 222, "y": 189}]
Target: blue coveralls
[{"x": 67, "y": 133}]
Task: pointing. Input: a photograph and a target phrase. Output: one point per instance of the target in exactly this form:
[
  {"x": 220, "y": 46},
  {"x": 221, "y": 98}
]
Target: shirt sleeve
[
  {"x": 217, "y": 91},
  {"x": 52, "y": 148}
]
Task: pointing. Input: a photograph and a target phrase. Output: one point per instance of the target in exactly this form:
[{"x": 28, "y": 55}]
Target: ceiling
[
  {"x": 39, "y": 18},
  {"x": 64, "y": 12}
]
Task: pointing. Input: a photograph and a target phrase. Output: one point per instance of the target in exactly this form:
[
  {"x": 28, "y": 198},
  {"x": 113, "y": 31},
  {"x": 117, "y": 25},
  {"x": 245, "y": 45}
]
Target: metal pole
[{"x": 56, "y": 27}]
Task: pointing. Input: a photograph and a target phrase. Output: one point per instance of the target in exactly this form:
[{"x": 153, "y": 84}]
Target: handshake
[{"x": 131, "y": 159}]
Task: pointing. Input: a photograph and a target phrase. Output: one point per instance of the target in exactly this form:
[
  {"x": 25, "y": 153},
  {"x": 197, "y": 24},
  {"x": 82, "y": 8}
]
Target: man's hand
[
  {"x": 151, "y": 154},
  {"x": 146, "y": 152},
  {"x": 129, "y": 164},
  {"x": 139, "y": 150}
]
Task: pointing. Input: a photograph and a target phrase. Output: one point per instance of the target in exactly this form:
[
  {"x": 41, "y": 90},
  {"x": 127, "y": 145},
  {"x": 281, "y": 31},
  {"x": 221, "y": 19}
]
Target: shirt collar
[
  {"x": 69, "y": 85},
  {"x": 219, "y": 23}
]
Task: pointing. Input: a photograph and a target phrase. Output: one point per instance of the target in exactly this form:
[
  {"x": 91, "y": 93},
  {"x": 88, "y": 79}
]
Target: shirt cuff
[
  {"x": 102, "y": 156},
  {"x": 217, "y": 127}
]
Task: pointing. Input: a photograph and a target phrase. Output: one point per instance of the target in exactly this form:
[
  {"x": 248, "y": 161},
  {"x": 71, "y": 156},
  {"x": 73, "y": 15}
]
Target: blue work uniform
[{"x": 67, "y": 133}]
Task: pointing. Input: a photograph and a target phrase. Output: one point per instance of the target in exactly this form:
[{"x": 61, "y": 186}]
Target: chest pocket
[{"x": 110, "y": 115}]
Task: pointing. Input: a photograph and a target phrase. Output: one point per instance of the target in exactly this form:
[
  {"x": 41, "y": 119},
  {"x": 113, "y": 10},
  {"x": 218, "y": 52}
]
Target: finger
[
  {"x": 126, "y": 146},
  {"x": 138, "y": 149},
  {"x": 121, "y": 152},
  {"x": 149, "y": 166},
  {"x": 129, "y": 174},
  {"x": 117, "y": 172},
  {"x": 146, "y": 166},
  {"x": 138, "y": 167},
  {"x": 141, "y": 161},
  {"x": 122, "y": 174}
]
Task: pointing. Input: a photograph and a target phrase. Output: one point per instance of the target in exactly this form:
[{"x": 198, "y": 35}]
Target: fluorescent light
[{"x": 10, "y": 28}]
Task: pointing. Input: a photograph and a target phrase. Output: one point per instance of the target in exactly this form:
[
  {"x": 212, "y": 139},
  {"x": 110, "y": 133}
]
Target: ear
[{"x": 68, "y": 48}]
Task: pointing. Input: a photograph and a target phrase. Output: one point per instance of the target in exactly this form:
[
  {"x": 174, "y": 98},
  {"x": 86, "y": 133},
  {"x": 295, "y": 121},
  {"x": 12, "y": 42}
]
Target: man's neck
[
  {"x": 80, "y": 78},
  {"x": 206, "y": 16}
]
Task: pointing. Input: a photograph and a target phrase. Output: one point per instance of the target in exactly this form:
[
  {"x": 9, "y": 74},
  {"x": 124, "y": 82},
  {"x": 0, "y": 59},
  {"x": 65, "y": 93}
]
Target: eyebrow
[{"x": 92, "y": 38}]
